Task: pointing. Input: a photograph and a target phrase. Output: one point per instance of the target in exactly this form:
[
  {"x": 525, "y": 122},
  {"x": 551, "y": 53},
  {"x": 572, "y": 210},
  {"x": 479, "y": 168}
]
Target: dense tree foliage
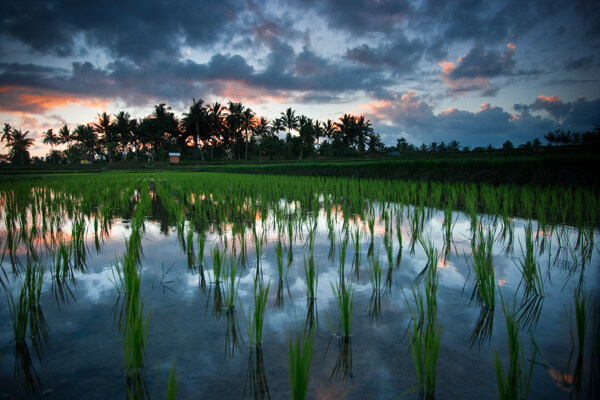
[{"x": 214, "y": 131}]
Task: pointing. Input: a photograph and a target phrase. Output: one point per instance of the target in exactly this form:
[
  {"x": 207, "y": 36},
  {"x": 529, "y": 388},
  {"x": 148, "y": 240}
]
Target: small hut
[
  {"x": 174, "y": 158},
  {"x": 86, "y": 158}
]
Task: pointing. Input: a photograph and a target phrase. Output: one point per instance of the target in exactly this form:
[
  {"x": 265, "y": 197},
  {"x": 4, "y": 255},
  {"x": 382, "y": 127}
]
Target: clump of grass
[
  {"x": 514, "y": 382},
  {"x": 485, "y": 281},
  {"x": 201, "y": 242},
  {"x": 172, "y": 384},
  {"x": 375, "y": 272},
  {"x": 311, "y": 272},
  {"x": 279, "y": 257},
  {"x": 425, "y": 336},
  {"x": 530, "y": 267},
  {"x": 300, "y": 355},
  {"x": 257, "y": 316},
  {"x": 232, "y": 280},
  {"x": 342, "y": 248},
  {"x": 344, "y": 294},
  {"x": 217, "y": 263}
]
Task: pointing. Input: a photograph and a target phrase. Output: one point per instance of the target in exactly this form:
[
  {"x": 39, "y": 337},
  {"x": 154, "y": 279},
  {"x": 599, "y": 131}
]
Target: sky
[{"x": 480, "y": 72}]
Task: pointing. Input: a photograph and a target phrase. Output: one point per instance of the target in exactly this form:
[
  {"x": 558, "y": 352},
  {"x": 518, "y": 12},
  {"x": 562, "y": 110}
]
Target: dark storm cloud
[
  {"x": 481, "y": 63},
  {"x": 579, "y": 64},
  {"x": 402, "y": 55},
  {"x": 127, "y": 29},
  {"x": 413, "y": 116},
  {"x": 360, "y": 16},
  {"x": 482, "y": 20},
  {"x": 579, "y": 115}
]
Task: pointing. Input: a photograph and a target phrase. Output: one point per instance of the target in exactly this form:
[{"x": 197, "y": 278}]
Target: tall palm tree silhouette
[{"x": 289, "y": 120}]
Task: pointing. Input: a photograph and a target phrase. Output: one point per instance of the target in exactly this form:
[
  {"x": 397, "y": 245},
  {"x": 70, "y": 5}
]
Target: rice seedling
[
  {"x": 172, "y": 384},
  {"x": 300, "y": 355},
  {"x": 514, "y": 381},
  {"x": 375, "y": 272},
  {"x": 19, "y": 314},
  {"x": 259, "y": 240},
  {"x": 356, "y": 244},
  {"x": 231, "y": 283},
  {"x": 311, "y": 272},
  {"x": 529, "y": 266},
  {"x": 485, "y": 282},
  {"x": 232, "y": 339},
  {"x": 344, "y": 294},
  {"x": 389, "y": 249},
  {"x": 425, "y": 337},
  {"x": 279, "y": 258},
  {"x": 430, "y": 269},
  {"x": 374, "y": 308},
  {"x": 217, "y": 263},
  {"x": 191, "y": 257},
  {"x": 256, "y": 317},
  {"x": 342, "y": 248},
  {"x": 201, "y": 242}
]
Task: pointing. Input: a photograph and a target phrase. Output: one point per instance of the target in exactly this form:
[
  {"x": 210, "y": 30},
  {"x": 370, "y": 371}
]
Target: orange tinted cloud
[
  {"x": 511, "y": 46},
  {"x": 551, "y": 99},
  {"x": 15, "y": 100},
  {"x": 239, "y": 91}
]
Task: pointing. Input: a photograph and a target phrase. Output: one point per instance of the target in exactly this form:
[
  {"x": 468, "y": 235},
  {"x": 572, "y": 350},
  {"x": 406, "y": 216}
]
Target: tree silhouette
[
  {"x": 64, "y": 134},
  {"x": 19, "y": 145},
  {"x": 247, "y": 123},
  {"x": 289, "y": 120},
  {"x": 196, "y": 124}
]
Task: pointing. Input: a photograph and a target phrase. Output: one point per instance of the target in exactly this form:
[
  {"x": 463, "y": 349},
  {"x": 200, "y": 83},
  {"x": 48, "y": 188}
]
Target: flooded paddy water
[{"x": 409, "y": 289}]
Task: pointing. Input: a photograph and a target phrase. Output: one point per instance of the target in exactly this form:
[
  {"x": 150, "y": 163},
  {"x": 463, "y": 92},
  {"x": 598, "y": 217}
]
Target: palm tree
[
  {"x": 51, "y": 139},
  {"x": 289, "y": 120},
  {"x": 195, "y": 123},
  {"x": 363, "y": 130},
  {"x": 277, "y": 126},
  {"x": 234, "y": 122},
  {"x": 247, "y": 123},
  {"x": 347, "y": 130},
  {"x": 318, "y": 130},
  {"x": 65, "y": 135},
  {"x": 7, "y": 133},
  {"x": 86, "y": 135},
  {"x": 122, "y": 130},
  {"x": 216, "y": 122},
  {"x": 103, "y": 128},
  {"x": 19, "y": 146},
  {"x": 329, "y": 129}
]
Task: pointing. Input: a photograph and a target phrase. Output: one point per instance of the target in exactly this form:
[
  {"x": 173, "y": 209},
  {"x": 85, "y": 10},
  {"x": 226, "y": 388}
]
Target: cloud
[
  {"x": 579, "y": 64},
  {"x": 402, "y": 55},
  {"x": 577, "y": 115},
  {"x": 474, "y": 71},
  {"x": 413, "y": 117},
  {"x": 136, "y": 31}
]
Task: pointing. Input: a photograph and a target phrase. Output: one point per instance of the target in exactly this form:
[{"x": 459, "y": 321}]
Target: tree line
[{"x": 215, "y": 131}]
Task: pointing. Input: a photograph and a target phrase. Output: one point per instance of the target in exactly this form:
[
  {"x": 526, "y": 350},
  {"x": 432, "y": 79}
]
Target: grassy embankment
[{"x": 553, "y": 166}]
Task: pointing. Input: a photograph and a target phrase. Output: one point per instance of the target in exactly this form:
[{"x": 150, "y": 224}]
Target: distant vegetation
[{"x": 234, "y": 132}]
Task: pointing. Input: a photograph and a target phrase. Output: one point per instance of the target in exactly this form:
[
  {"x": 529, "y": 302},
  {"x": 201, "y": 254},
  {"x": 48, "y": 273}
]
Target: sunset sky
[{"x": 480, "y": 72}]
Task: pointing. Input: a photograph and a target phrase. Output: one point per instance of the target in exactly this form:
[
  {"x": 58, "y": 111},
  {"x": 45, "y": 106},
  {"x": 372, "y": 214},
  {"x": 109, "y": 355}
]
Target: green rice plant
[
  {"x": 300, "y": 355},
  {"x": 331, "y": 236},
  {"x": 218, "y": 262},
  {"x": 375, "y": 271},
  {"x": 190, "y": 248},
  {"x": 430, "y": 270},
  {"x": 201, "y": 242},
  {"x": 172, "y": 384},
  {"x": 389, "y": 249},
  {"x": 311, "y": 272},
  {"x": 529, "y": 266},
  {"x": 485, "y": 281},
  {"x": 232, "y": 281},
  {"x": 19, "y": 314},
  {"x": 256, "y": 317},
  {"x": 344, "y": 294},
  {"x": 279, "y": 258},
  {"x": 134, "y": 335},
  {"x": 425, "y": 337},
  {"x": 514, "y": 381},
  {"x": 356, "y": 244},
  {"x": 342, "y": 248},
  {"x": 259, "y": 240}
]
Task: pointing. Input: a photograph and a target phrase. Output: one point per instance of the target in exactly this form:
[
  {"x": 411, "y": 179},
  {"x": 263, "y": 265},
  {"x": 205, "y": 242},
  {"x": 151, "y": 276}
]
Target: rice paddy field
[{"x": 214, "y": 285}]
